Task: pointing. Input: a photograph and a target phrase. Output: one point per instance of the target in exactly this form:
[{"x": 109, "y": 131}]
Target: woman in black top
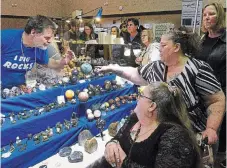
[
  {"x": 214, "y": 41},
  {"x": 92, "y": 50},
  {"x": 157, "y": 135},
  {"x": 133, "y": 35},
  {"x": 88, "y": 33},
  {"x": 214, "y": 51}
]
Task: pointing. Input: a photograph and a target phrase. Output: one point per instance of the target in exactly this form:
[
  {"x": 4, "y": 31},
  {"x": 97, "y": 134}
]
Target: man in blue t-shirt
[{"x": 21, "y": 49}]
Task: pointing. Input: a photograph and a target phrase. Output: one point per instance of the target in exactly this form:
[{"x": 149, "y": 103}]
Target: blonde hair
[
  {"x": 149, "y": 34},
  {"x": 220, "y": 16}
]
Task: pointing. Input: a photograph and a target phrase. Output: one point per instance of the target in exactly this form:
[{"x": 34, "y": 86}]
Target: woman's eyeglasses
[{"x": 140, "y": 95}]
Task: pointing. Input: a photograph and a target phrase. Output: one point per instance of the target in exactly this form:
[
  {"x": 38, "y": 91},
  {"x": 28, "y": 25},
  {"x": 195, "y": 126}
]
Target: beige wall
[
  {"x": 129, "y": 6},
  {"x": 52, "y": 8},
  {"x": 60, "y": 8},
  {"x": 64, "y": 8},
  {"x": 12, "y": 23}
]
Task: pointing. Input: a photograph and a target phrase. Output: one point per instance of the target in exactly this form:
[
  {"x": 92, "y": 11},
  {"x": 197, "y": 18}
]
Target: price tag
[
  {"x": 31, "y": 83},
  {"x": 82, "y": 81},
  {"x": 61, "y": 99}
]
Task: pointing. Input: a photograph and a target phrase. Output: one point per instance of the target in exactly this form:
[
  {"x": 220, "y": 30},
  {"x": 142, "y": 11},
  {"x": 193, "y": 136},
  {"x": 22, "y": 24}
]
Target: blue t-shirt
[{"x": 15, "y": 64}]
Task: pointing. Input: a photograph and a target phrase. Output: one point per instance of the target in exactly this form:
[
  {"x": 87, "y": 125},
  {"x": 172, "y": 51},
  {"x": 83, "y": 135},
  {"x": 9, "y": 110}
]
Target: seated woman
[
  {"x": 157, "y": 135},
  {"x": 150, "y": 51}
]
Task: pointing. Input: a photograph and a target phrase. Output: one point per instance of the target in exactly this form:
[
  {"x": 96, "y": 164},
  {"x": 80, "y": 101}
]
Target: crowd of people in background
[{"x": 194, "y": 66}]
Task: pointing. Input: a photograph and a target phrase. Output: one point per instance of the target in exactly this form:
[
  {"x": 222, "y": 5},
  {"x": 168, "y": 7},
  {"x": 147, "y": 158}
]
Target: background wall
[
  {"x": 14, "y": 13},
  {"x": 52, "y": 8},
  {"x": 129, "y": 6}
]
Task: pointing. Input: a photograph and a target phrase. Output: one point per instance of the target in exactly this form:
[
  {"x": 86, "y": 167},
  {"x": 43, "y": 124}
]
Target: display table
[
  {"x": 35, "y": 153},
  {"x": 41, "y": 98},
  {"x": 36, "y": 124},
  {"x": 62, "y": 162}
]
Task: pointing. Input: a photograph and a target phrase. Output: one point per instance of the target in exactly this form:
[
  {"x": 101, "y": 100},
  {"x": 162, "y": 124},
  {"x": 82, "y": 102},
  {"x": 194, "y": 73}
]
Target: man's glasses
[{"x": 140, "y": 95}]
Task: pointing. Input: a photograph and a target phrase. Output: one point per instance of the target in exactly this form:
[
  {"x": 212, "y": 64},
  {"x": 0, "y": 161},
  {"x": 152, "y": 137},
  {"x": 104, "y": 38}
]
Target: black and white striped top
[{"x": 196, "y": 80}]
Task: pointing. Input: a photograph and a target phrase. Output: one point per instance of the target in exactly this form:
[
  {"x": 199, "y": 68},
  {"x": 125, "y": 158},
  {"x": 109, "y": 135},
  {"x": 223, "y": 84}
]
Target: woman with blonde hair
[
  {"x": 158, "y": 134},
  {"x": 214, "y": 53},
  {"x": 150, "y": 51}
]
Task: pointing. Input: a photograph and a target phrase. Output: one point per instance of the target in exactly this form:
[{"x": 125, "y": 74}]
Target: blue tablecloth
[
  {"x": 127, "y": 89},
  {"x": 110, "y": 117},
  {"x": 41, "y": 98},
  {"x": 36, "y": 153},
  {"x": 36, "y": 124}
]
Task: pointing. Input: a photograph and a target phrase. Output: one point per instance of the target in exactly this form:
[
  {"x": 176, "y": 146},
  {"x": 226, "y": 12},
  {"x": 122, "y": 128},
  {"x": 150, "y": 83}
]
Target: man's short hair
[{"x": 39, "y": 23}]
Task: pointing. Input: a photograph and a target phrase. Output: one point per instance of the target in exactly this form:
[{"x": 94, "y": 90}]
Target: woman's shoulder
[
  {"x": 196, "y": 63},
  {"x": 174, "y": 146},
  {"x": 177, "y": 136},
  {"x": 156, "y": 67},
  {"x": 174, "y": 131}
]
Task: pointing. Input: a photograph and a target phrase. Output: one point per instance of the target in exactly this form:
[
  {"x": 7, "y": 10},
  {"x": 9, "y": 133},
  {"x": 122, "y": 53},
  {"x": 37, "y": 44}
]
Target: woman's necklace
[{"x": 136, "y": 136}]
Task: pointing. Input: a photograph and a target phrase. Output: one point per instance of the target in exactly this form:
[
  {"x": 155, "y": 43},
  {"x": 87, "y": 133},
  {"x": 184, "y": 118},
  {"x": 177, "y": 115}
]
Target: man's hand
[{"x": 68, "y": 56}]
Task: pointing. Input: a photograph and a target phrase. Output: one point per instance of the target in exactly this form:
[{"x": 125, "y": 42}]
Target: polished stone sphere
[
  {"x": 69, "y": 94},
  {"x": 86, "y": 68},
  {"x": 75, "y": 72},
  {"x": 73, "y": 79},
  {"x": 83, "y": 96}
]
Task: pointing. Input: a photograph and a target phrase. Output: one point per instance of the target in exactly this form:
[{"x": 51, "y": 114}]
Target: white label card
[
  {"x": 82, "y": 81},
  {"x": 61, "y": 99}
]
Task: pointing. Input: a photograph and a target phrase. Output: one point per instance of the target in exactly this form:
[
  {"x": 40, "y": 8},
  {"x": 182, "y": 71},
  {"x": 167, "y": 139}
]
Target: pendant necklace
[{"x": 22, "y": 51}]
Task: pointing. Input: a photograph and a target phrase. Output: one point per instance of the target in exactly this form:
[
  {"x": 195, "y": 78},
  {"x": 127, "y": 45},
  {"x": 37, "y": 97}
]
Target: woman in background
[
  {"x": 133, "y": 36},
  {"x": 150, "y": 51},
  {"x": 92, "y": 50},
  {"x": 214, "y": 53},
  {"x": 88, "y": 33},
  {"x": 73, "y": 33},
  {"x": 117, "y": 49},
  {"x": 115, "y": 31}
]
